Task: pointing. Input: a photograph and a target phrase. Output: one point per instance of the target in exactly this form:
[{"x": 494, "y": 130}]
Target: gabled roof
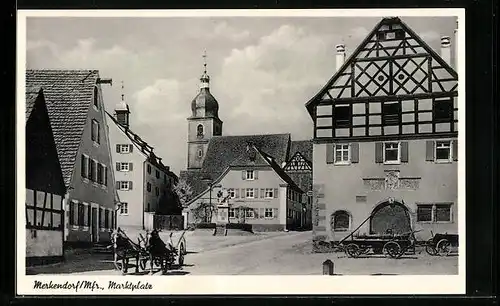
[
  {"x": 32, "y": 94},
  {"x": 224, "y": 150},
  {"x": 265, "y": 160},
  {"x": 371, "y": 50},
  {"x": 68, "y": 95},
  {"x": 143, "y": 146},
  {"x": 298, "y": 163},
  {"x": 305, "y": 147}
]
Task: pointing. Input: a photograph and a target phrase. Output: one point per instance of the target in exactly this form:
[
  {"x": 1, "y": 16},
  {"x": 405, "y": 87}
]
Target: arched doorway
[{"x": 390, "y": 218}]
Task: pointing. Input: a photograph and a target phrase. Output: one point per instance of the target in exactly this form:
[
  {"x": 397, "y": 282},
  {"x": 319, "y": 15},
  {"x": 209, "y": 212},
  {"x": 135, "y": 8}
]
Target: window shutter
[
  {"x": 329, "y": 153},
  {"x": 256, "y": 213},
  {"x": 379, "y": 152},
  {"x": 131, "y": 148},
  {"x": 130, "y": 185},
  {"x": 255, "y": 174},
  {"x": 117, "y": 166},
  {"x": 275, "y": 213},
  {"x": 256, "y": 193},
  {"x": 404, "y": 151},
  {"x": 455, "y": 149},
  {"x": 236, "y": 193},
  {"x": 83, "y": 166},
  {"x": 262, "y": 213},
  {"x": 130, "y": 166},
  {"x": 117, "y": 185},
  {"x": 262, "y": 192},
  {"x": 429, "y": 150},
  {"x": 105, "y": 175},
  {"x": 243, "y": 175},
  {"x": 275, "y": 193},
  {"x": 117, "y": 148},
  {"x": 355, "y": 152}
]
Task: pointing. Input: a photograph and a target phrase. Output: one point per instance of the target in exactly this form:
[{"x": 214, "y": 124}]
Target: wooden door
[{"x": 95, "y": 224}]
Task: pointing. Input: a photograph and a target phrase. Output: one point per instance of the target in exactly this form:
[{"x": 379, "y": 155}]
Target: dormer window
[{"x": 199, "y": 131}]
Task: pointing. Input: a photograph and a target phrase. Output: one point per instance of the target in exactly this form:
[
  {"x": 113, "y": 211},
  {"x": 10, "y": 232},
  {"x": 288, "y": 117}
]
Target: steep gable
[
  {"x": 68, "y": 95},
  {"x": 392, "y": 61},
  {"x": 298, "y": 163}
]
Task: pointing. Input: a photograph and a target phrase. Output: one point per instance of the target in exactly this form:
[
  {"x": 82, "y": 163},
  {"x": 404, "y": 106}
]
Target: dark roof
[
  {"x": 32, "y": 93},
  {"x": 68, "y": 95},
  {"x": 143, "y": 146},
  {"x": 195, "y": 180},
  {"x": 224, "y": 150},
  {"x": 302, "y": 179},
  {"x": 305, "y": 147}
]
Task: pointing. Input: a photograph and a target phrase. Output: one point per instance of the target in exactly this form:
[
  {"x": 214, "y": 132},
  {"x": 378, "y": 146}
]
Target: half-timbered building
[
  {"x": 385, "y": 138},
  {"x": 45, "y": 187}
]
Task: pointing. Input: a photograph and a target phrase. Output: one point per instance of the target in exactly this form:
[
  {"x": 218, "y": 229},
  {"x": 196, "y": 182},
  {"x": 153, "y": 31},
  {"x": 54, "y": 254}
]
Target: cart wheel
[
  {"x": 157, "y": 261},
  {"x": 352, "y": 250},
  {"x": 118, "y": 265},
  {"x": 393, "y": 249},
  {"x": 443, "y": 247},
  {"x": 142, "y": 263},
  {"x": 180, "y": 260},
  {"x": 430, "y": 248}
]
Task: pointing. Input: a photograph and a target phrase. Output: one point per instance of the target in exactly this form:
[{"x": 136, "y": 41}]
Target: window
[
  {"x": 165, "y": 178},
  {"x": 249, "y": 213},
  {"x": 268, "y": 213},
  {"x": 199, "y": 131},
  {"x": 342, "y": 116},
  {"x": 157, "y": 174},
  {"x": 99, "y": 173},
  {"x": 106, "y": 218},
  {"x": 85, "y": 166},
  {"x": 434, "y": 213},
  {"x": 95, "y": 131},
  {"x": 200, "y": 153},
  {"x": 443, "y": 150},
  {"x": 342, "y": 153},
  {"x": 442, "y": 110},
  {"x": 124, "y": 148},
  {"x": 71, "y": 213},
  {"x": 231, "y": 193},
  {"x": 148, "y": 186},
  {"x": 96, "y": 98},
  {"x": 269, "y": 193},
  {"x": 250, "y": 175},
  {"x": 81, "y": 220},
  {"x": 124, "y": 185},
  {"x": 105, "y": 175},
  {"x": 249, "y": 193},
  {"x": 424, "y": 213},
  {"x": 93, "y": 170},
  {"x": 231, "y": 213},
  {"x": 289, "y": 213},
  {"x": 391, "y": 112},
  {"x": 341, "y": 221},
  {"x": 391, "y": 152},
  {"x": 157, "y": 191},
  {"x": 149, "y": 168},
  {"x": 124, "y": 167}
]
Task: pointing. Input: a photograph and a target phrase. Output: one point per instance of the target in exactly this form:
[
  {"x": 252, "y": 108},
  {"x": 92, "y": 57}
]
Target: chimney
[
  {"x": 445, "y": 49},
  {"x": 340, "y": 57}
]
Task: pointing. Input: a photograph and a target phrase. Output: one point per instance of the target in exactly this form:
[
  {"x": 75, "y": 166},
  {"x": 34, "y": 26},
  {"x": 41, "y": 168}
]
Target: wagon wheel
[
  {"x": 352, "y": 250},
  {"x": 430, "y": 248},
  {"x": 393, "y": 249},
  {"x": 143, "y": 262},
  {"x": 443, "y": 247},
  {"x": 180, "y": 260},
  {"x": 118, "y": 264}
]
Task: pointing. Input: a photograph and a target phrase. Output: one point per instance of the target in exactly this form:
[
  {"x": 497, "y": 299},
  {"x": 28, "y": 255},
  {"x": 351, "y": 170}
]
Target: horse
[{"x": 160, "y": 253}]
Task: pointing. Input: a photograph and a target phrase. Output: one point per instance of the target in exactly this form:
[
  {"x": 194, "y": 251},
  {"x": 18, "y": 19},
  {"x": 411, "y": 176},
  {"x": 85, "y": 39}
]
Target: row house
[
  {"x": 386, "y": 138},
  {"x": 77, "y": 117}
]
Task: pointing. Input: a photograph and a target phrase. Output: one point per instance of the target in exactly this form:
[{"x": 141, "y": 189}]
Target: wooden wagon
[
  {"x": 441, "y": 244},
  {"x": 149, "y": 248}
]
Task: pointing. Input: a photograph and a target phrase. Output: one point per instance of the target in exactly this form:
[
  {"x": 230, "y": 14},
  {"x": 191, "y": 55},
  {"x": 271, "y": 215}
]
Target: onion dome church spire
[{"x": 204, "y": 104}]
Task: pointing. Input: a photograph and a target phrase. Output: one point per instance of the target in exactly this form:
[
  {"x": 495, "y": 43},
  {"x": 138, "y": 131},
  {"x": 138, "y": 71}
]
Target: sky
[{"x": 263, "y": 69}]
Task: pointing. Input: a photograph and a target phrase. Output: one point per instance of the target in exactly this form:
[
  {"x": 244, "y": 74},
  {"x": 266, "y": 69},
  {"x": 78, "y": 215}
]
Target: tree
[
  {"x": 203, "y": 212},
  {"x": 183, "y": 191},
  {"x": 241, "y": 212}
]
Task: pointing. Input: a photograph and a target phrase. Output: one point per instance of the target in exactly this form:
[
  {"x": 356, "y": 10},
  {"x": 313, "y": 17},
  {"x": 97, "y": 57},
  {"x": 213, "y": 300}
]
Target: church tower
[
  {"x": 203, "y": 123},
  {"x": 122, "y": 112}
]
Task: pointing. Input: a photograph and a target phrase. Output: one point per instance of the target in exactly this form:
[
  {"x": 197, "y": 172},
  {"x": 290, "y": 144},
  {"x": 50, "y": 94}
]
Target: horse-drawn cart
[
  {"x": 149, "y": 248},
  {"x": 441, "y": 244}
]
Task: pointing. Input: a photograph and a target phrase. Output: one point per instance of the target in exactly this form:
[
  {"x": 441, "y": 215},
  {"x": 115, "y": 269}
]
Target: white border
[{"x": 446, "y": 284}]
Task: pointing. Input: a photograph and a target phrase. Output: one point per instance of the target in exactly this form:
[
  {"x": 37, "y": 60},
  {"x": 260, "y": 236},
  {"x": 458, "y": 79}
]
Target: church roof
[
  {"x": 68, "y": 95},
  {"x": 207, "y": 102}
]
